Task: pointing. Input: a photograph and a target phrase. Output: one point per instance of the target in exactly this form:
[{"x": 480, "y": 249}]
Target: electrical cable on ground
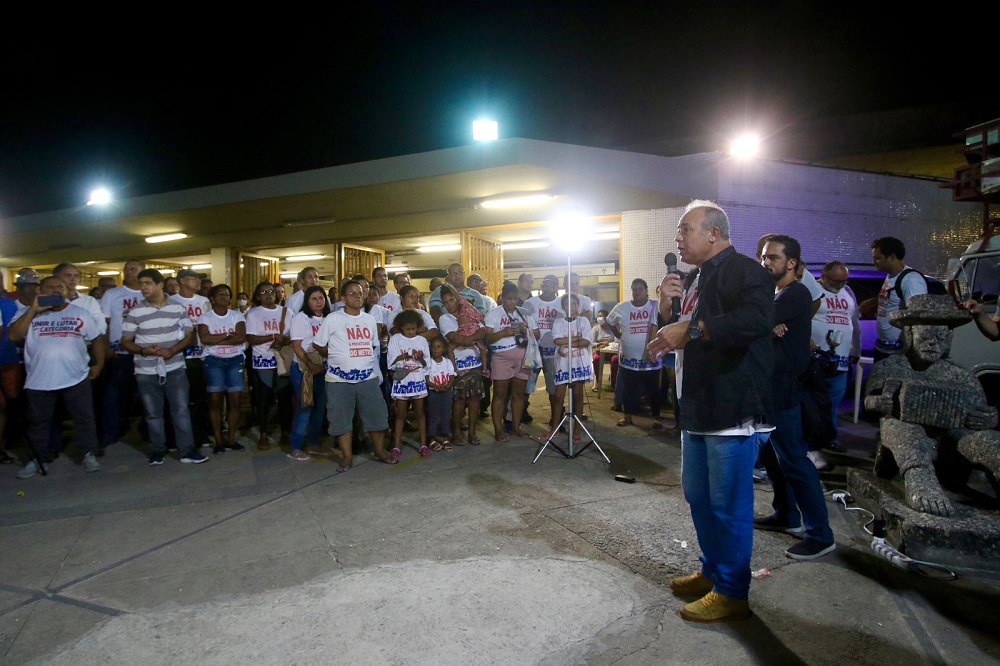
[{"x": 885, "y": 550}]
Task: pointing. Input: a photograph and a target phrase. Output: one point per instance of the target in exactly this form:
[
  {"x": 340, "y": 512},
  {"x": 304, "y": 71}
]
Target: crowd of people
[{"x": 359, "y": 362}]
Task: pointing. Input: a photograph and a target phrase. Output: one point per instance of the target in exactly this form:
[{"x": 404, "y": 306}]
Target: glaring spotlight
[
  {"x": 570, "y": 230},
  {"x": 485, "y": 130},
  {"x": 99, "y": 197},
  {"x": 745, "y": 147}
]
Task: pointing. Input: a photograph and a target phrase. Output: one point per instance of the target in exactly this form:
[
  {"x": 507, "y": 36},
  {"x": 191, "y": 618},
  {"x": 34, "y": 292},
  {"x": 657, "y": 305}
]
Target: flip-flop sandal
[
  {"x": 425, "y": 452},
  {"x": 396, "y": 454},
  {"x": 447, "y": 447},
  {"x": 388, "y": 460},
  {"x": 343, "y": 468},
  {"x": 475, "y": 441},
  {"x": 502, "y": 438},
  {"x": 622, "y": 423},
  {"x": 437, "y": 446},
  {"x": 657, "y": 425}
]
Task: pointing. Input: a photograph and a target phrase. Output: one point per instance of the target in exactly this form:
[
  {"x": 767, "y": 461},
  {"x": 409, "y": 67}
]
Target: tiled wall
[{"x": 835, "y": 214}]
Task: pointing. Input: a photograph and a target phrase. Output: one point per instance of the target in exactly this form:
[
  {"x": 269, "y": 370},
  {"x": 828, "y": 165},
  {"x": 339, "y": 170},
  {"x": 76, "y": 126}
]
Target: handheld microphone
[{"x": 671, "y": 262}]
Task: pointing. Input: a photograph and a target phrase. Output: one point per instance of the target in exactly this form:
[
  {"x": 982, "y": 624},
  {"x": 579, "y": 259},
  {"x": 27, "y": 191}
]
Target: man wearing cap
[
  {"x": 120, "y": 390},
  {"x": 13, "y": 409},
  {"x": 58, "y": 367},
  {"x": 196, "y": 305}
]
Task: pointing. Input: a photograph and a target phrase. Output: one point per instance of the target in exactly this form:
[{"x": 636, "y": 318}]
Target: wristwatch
[{"x": 694, "y": 331}]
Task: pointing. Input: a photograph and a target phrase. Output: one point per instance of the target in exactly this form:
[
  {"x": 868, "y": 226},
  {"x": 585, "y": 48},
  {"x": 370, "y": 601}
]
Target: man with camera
[{"x": 55, "y": 334}]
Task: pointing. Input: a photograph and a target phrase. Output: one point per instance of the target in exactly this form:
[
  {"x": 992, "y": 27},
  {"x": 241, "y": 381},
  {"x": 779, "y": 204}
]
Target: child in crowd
[
  {"x": 408, "y": 354},
  {"x": 440, "y": 377},
  {"x": 469, "y": 322},
  {"x": 574, "y": 365}
]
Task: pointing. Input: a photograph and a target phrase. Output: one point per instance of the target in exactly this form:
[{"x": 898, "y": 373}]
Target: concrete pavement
[{"x": 471, "y": 556}]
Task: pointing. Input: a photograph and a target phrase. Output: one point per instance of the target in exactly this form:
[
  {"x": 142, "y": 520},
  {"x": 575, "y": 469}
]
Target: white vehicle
[{"x": 976, "y": 274}]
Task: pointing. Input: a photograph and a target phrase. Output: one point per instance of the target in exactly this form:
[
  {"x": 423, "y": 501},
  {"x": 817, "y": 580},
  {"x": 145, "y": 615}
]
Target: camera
[{"x": 521, "y": 340}]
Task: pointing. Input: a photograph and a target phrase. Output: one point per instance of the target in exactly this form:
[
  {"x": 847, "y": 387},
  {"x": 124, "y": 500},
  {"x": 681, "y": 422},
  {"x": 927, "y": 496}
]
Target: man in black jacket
[
  {"x": 793, "y": 476},
  {"x": 724, "y": 363}
]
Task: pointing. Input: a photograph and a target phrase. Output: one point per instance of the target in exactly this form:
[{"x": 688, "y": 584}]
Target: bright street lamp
[{"x": 99, "y": 197}]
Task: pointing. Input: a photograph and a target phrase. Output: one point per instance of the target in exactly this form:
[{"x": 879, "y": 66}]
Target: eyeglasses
[{"x": 265, "y": 291}]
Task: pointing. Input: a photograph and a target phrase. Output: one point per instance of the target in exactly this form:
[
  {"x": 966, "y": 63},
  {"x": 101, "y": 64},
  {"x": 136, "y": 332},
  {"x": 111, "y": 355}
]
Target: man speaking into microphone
[{"x": 724, "y": 363}]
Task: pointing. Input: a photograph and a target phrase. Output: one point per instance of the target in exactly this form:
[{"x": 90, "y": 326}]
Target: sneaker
[
  {"x": 819, "y": 461},
  {"x": 694, "y": 585},
  {"x": 715, "y": 607},
  {"x": 218, "y": 450},
  {"x": 836, "y": 447},
  {"x": 155, "y": 459},
  {"x": 301, "y": 456},
  {"x": 528, "y": 418},
  {"x": 759, "y": 475},
  {"x": 772, "y": 524},
  {"x": 236, "y": 446},
  {"x": 508, "y": 427},
  {"x": 28, "y": 470},
  {"x": 90, "y": 463},
  {"x": 195, "y": 457},
  {"x": 809, "y": 549}
]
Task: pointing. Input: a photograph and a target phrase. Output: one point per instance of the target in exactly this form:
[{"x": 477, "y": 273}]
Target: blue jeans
[
  {"x": 837, "y": 387},
  {"x": 307, "y": 422},
  {"x": 794, "y": 478},
  {"x": 173, "y": 389},
  {"x": 717, "y": 475}
]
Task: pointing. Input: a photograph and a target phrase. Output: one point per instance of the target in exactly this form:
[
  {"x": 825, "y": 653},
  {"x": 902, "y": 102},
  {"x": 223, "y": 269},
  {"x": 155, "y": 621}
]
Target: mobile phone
[{"x": 51, "y": 301}]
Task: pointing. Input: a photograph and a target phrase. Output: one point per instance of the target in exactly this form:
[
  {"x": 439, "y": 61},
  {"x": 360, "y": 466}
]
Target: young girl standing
[
  {"x": 574, "y": 365},
  {"x": 440, "y": 377},
  {"x": 408, "y": 353}
]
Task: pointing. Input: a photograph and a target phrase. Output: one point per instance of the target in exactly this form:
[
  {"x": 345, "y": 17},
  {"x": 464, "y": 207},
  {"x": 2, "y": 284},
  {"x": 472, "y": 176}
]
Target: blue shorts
[{"x": 224, "y": 375}]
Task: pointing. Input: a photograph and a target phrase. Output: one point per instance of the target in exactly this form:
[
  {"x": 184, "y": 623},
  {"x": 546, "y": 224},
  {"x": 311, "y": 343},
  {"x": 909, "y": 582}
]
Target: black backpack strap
[{"x": 899, "y": 284}]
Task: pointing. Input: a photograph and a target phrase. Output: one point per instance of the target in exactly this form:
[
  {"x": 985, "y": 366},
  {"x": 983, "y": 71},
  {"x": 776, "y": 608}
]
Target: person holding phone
[{"x": 55, "y": 334}]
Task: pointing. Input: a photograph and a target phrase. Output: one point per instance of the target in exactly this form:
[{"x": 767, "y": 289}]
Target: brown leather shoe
[
  {"x": 694, "y": 585},
  {"x": 715, "y": 607}
]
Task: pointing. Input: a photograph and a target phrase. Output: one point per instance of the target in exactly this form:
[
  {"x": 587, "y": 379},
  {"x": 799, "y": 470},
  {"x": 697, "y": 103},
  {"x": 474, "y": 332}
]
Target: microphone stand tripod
[{"x": 570, "y": 419}]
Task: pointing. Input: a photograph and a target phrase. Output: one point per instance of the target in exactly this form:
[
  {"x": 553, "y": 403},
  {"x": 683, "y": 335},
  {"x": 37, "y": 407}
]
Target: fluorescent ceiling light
[
  {"x": 165, "y": 237},
  {"x": 513, "y": 202},
  {"x": 606, "y": 235},
  {"x": 396, "y": 268},
  {"x": 305, "y": 257},
  {"x": 289, "y": 275},
  {"x": 313, "y": 222},
  {"x": 107, "y": 272},
  {"x": 198, "y": 267},
  {"x": 167, "y": 271},
  {"x": 526, "y": 245},
  {"x": 440, "y": 248},
  {"x": 264, "y": 264}
]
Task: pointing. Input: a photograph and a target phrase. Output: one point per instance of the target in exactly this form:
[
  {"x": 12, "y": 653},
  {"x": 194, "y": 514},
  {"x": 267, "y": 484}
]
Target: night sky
[{"x": 151, "y": 104}]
